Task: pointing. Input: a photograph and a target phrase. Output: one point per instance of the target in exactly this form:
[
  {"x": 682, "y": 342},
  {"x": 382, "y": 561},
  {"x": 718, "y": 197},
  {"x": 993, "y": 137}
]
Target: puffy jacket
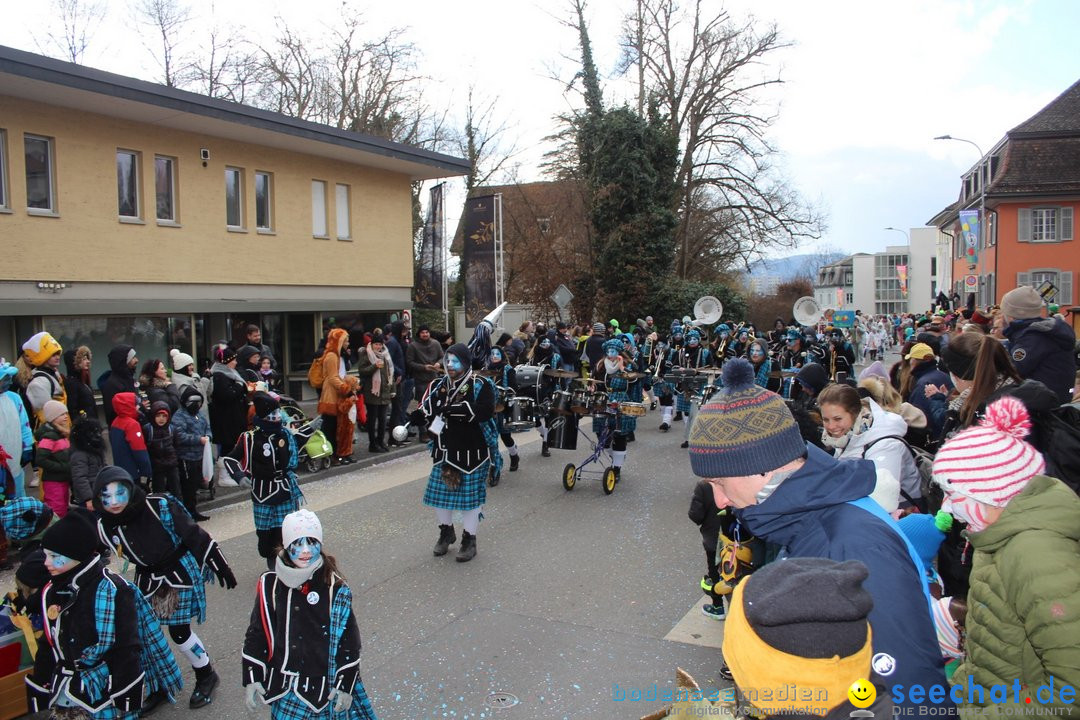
[
  {"x": 160, "y": 439},
  {"x": 333, "y": 389},
  {"x": 927, "y": 373},
  {"x": 1023, "y": 619},
  {"x": 704, "y": 513},
  {"x": 53, "y": 454},
  {"x": 877, "y": 443},
  {"x": 118, "y": 379},
  {"x": 1043, "y": 349},
  {"x": 126, "y": 437},
  {"x": 189, "y": 429},
  {"x": 810, "y": 515}
]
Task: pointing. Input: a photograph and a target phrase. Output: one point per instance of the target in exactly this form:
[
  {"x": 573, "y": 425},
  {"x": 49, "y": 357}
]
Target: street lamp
[
  {"x": 906, "y": 236},
  {"x": 984, "y": 179}
]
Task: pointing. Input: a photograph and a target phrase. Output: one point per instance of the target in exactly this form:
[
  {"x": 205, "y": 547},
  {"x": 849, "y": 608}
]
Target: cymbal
[
  {"x": 632, "y": 375},
  {"x": 552, "y": 372}
]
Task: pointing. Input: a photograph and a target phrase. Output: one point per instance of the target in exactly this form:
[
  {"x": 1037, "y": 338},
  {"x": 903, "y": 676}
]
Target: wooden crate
[{"x": 13, "y": 695}]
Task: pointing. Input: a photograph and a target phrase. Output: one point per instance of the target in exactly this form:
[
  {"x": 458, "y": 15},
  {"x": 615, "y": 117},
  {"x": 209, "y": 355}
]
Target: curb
[{"x": 232, "y": 495}]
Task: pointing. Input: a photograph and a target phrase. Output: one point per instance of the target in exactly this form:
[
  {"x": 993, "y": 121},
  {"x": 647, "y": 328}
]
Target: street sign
[
  {"x": 1047, "y": 291},
  {"x": 562, "y": 296},
  {"x": 971, "y": 283}
]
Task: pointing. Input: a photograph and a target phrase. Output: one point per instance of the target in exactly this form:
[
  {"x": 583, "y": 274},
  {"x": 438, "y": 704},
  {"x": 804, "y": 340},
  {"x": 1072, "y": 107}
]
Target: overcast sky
[{"x": 868, "y": 83}]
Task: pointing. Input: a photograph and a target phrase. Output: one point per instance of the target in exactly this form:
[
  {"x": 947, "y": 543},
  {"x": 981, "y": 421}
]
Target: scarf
[
  {"x": 294, "y": 577},
  {"x": 861, "y": 425},
  {"x": 388, "y": 368},
  {"x": 611, "y": 366},
  {"x": 220, "y": 368}
]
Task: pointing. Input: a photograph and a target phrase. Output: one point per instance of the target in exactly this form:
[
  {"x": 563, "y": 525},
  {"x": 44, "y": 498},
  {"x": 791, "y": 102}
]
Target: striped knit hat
[
  {"x": 745, "y": 430},
  {"x": 990, "y": 462}
]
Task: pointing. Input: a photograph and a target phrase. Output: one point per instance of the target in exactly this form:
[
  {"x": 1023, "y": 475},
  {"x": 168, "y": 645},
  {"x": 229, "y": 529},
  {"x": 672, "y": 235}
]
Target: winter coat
[
  {"x": 397, "y": 356},
  {"x": 704, "y": 513},
  {"x": 366, "y": 370},
  {"x": 53, "y": 454},
  {"x": 228, "y": 409},
  {"x": 419, "y": 354},
  {"x": 45, "y": 384},
  {"x": 158, "y": 390},
  {"x": 333, "y": 389},
  {"x": 1023, "y": 621},
  {"x": 878, "y": 443},
  {"x": 126, "y": 437},
  {"x": 810, "y": 515},
  {"x": 118, "y": 379},
  {"x": 161, "y": 445},
  {"x": 200, "y": 383},
  {"x": 927, "y": 373},
  {"x": 1043, "y": 349},
  {"x": 189, "y": 429},
  {"x": 80, "y": 396},
  {"x": 87, "y": 459}
]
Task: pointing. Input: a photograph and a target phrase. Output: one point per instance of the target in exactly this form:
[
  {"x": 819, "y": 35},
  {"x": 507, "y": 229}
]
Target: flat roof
[{"x": 55, "y": 82}]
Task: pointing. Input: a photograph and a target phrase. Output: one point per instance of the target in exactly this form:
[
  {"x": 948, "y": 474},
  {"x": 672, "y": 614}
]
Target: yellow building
[{"x": 135, "y": 213}]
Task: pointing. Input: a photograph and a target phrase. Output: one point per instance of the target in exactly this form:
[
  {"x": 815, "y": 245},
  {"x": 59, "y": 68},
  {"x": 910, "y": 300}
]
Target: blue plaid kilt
[
  {"x": 291, "y": 707},
  {"x": 471, "y": 493},
  {"x": 617, "y": 392},
  {"x": 682, "y": 403},
  {"x": 158, "y": 661},
  {"x": 270, "y": 517}
]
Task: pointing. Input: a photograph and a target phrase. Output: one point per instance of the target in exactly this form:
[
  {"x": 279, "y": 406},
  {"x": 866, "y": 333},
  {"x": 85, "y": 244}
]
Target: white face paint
[
  {"x": 115, "y": 497},
  {"x": 966, "y": 510},
  {"x": 304, "y": 551},
  {"x": 57, "y": 564}
]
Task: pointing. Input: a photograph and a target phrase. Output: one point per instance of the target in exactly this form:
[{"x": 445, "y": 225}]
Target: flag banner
[
  {"x": 843, "y": 318},
  {"x": 901, "y": 273},
  {"x": 428, "y": 276},
  {"x": 478, "y": 265},
  {"x": 969, "y": 230},
  {"x": 839, "y": 297}
]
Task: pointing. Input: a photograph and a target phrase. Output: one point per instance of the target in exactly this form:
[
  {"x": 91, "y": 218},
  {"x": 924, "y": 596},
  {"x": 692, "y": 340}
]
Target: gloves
[
  {"x": 342, "y": 700},
  {"x": 253, "y": 691},
  {"x": 220, "y": 566}
]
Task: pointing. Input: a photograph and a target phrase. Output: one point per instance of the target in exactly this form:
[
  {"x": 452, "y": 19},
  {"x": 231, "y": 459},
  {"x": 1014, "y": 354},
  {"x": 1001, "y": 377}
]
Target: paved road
[{"x": 570, "y": 594}]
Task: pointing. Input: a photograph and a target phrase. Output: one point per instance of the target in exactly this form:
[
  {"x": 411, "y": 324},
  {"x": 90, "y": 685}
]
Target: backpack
[
  {"x": 924, "y": 463},
  {"x": 315, "y": 376},
  {"x": 1060, "y": 439}
]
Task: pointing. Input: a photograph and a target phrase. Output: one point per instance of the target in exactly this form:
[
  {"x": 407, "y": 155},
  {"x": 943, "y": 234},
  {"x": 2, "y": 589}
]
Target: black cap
[
  {"x": 75, "y": 536},
  {"x": 264, "y": 403}
]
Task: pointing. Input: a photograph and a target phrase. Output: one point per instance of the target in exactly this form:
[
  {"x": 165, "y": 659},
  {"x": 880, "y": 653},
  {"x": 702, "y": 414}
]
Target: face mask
[
  {"x": 304, "y": 551},
  {"x": 115, "y": 497},
  {"x": 611, "y": 353},
  {"x": 967, "y": 511},
  {"x": 194, "y": 406},
  {"x": 453, "y": 364}
]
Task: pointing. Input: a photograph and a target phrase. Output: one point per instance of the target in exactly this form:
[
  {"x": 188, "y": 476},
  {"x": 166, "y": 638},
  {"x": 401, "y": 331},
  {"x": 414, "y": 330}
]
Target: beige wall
[{"x": 88, "y": 242}]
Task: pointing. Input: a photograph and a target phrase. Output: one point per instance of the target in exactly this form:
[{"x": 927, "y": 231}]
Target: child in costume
[
  {"x": 173, "y": 559},
  {"x": 302, "y": 597},
  {"x": 53, "y": 456},
  {"x": 102, "y": 647},
  {"x": 265, "y": 457}
]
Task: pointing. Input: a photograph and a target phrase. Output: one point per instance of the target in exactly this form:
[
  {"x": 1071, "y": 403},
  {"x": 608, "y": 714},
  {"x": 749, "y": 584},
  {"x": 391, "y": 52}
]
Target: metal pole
[
  {"x": 444, "y": 252},
  {"x": 500, "y": 269},
  {"x": 984, "y": 179}
]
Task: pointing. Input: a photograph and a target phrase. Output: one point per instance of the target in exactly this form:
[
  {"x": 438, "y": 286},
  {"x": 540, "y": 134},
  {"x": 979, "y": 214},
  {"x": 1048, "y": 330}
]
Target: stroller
[{"x": 314, "y": 450}]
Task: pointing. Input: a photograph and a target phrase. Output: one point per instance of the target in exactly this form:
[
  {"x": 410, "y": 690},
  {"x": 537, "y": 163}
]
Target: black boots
[
  {"x": 467, "y": 551},
  {"x": 514, "y": 460},
  {"x": 544, "y": 450},
  {"x": 447, "y": 537},
  {"x": 205, "y": 682},
  {"x": 678, "y": 416}
]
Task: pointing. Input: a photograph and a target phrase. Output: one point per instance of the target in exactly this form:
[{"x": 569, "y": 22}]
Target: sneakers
[{"x": 716, "y": 612}]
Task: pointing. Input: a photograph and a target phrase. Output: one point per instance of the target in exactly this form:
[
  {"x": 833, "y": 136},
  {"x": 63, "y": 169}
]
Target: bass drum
[
  {"x": 529, "y": 379},
  {"x": 562, "y": 432}
]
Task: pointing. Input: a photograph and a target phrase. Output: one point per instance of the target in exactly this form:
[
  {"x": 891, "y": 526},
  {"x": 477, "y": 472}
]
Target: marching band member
[
  {"x": 503, "y": 375},
  {"x": 611, "y": 372},
  {"x": 544, "y": 356},
  {"x": 693, "y": 356},
  {"x": 667, "y": 400}
]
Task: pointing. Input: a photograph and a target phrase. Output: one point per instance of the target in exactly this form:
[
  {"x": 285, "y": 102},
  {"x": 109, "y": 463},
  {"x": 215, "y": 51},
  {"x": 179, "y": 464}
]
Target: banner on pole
[
  {"x": 428, "y": 276},
  {"x": 843, "y": 318},
  {"x": 901, "y": 274},
  {"x": 969, "y": 230},
  {"x": 478, "y": 265},
  {"x": 839, "y": 297}
]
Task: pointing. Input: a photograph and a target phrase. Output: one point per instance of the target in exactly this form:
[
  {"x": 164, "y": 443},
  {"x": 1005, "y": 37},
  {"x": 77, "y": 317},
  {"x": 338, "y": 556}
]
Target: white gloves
[
  {"x": 253, "y": 691},
  {"x": 342, "y": 700}
]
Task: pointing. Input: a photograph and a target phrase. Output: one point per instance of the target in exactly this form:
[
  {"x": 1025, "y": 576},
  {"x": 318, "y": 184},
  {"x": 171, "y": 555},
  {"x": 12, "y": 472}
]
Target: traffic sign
[
  {"x": 971, "y": 283},
  {"x": 562, "y": 296}
]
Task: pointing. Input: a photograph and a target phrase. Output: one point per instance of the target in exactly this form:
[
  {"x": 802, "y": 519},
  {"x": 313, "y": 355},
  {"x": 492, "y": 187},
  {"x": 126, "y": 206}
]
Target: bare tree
[
  {"x": 707, "y": 73},
  {"x": 226, "y": 66},
  {"x": 167, "y": 19},
  {"x": 72, "y": 28},
  {"x": 481, "y": 141}
]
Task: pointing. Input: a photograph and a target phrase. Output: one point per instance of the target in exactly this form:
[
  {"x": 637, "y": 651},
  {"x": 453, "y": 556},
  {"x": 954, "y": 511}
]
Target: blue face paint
[
  {"x": 304, "y": 551},
  {"x": 115, "y": 497},
  {"x": 496, "y": 356},
  {"x": 56, "y": 564},
  {"x": 453, "y": 363},
  {"x": 545, "y": 343},
  {"x": 611, "y": 352},
  {"x": 756, "y": 352}
]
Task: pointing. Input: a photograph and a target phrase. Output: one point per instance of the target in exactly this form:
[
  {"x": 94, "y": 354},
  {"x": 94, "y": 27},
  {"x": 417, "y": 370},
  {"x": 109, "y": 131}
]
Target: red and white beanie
[{"x": 990, "y": 462}]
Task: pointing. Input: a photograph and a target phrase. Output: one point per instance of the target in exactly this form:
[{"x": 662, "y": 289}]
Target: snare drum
[
  {"x": 599, "y": 403},
  {"x": 503, "y": 398},
  {"x": 561, "y": 403},
  {"x": 633, "y": 409},
  {"x": 521, "y": 415},
  {"x": 580, "y": 401},
  {"x": 529, "y": 379},
  {"x": 563, "y": 432}
]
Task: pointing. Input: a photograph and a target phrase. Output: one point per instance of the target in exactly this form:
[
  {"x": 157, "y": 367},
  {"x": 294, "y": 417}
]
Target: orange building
[{"x": 1029, "y": 184}]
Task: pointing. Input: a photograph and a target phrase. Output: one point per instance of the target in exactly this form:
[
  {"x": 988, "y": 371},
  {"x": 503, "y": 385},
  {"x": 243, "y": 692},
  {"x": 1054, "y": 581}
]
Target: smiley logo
[{"x": 862, "y": 693}]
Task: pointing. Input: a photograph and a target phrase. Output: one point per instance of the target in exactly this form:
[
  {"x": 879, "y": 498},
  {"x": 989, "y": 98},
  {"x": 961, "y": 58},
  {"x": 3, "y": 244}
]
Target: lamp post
[{"x": 984, "y": 179}]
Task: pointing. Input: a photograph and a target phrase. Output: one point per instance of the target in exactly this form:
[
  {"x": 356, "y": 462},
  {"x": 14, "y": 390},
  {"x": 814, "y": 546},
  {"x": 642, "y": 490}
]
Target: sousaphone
[
  {"x": 707, "y": 311},
  {"x": 806, "y": 311}
]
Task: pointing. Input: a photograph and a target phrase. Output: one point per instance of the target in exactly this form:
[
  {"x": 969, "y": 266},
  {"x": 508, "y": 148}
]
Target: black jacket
[
  {"x": 228, "y": 410},
  {"x": 1043, "y": 349},
  {"x": 80, "y": 397},
  {"x": 704, "y": 513},
  {"x": 461, "y": 443},
  {"x": 118, "y": 379}
]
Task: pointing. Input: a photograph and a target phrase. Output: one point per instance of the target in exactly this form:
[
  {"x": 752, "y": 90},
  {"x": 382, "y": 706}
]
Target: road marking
[{"x": 696, "y": 629}]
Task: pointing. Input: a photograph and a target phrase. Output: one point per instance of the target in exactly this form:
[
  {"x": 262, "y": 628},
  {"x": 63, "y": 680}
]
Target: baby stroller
[{"x": 313, "y": 449}]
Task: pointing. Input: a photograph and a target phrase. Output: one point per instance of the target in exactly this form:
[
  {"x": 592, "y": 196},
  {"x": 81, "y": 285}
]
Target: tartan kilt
[
  {"x": 682, "y": 403},
  {"x": 270, "y": 517},
  {"x": 471, "y": 494},
  {"x": 291, "y": 707},
  {"x": 627, "y": 423},
  {"x": 660, "y": 387}
]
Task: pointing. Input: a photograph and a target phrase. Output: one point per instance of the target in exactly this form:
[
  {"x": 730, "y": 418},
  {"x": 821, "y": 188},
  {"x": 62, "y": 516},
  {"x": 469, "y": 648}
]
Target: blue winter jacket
[
  {"x": 928, "y": 374},
  {"x": 810, "y": 515},
  {"x": 189, "y": 428},
  {"x": 1043, "y": 349}
]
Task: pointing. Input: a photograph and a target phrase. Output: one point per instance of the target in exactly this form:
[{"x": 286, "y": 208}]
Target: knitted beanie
[
  {"x": 224, "y": 354},
  {"x": 801, "y": 621},
  {"x": 39, "y": 348},
  {"x": 1022, "y": 302},
  {"x": 990, "y": 462},
  {"x": 813, "y": 376},
  {"x": 74, "y": 536},
  {"x": 53, "y": 409},
  {"x": 926, "y": 533},
  {"x": 180, "y": 360},
  {"x": 264, "y": 403},
  {"x": 875, "y": 369},
  {"x": 957, "y": 363},
  {"x": 744, "y": 430},
  {"x": 24, "y": 517},
  {"x": 598, "y": 327},
  {"x": 300, "y": 524}
]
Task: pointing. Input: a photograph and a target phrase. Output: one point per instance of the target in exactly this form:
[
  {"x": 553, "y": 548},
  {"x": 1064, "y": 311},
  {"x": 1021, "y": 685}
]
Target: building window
[
  {"x": 5, "y": 203},
  {"x": 264, "y": 198},
  {"x": 318, "y": 209},
  {"x": 1044, "y": 224},
  {"x": 165, "y": 188},
  {"x": 341, "y": 209},
  {"x": 127, "y": 184},
  {"x": 40, "y": 190},
  {"x": 1060, "y": 279},
  {"x": 234, "y": 198}
]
